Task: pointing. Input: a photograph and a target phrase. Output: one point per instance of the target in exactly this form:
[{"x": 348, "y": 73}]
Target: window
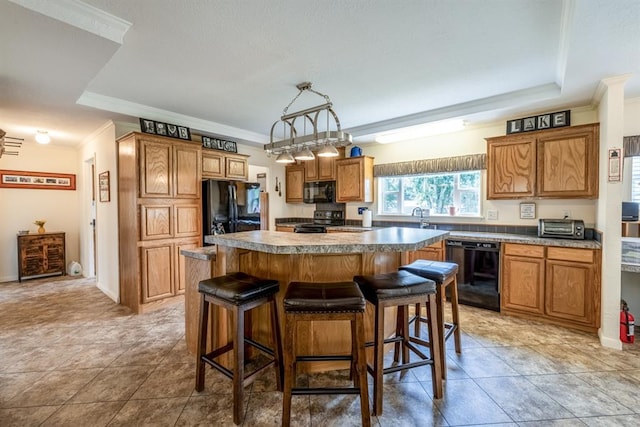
[
  {"x": 436, "y": 192},
  {"x": 635, "y": 179}
]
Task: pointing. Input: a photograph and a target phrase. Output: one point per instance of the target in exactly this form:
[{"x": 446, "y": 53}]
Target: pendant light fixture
[
  {"x": 285, "y": 157},
  {"x": 326, "y": 140}
]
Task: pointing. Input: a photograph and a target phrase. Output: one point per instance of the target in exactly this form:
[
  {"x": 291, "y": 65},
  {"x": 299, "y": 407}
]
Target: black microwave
[{"x": 319, "y": 192}]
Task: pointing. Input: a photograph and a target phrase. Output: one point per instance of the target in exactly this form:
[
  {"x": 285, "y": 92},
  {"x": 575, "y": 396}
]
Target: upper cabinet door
[
  {"x": 187, "y": 172},
  {"x": 237, "y": 168},
  {"x": 213, "y": 165},
  {"x": 294, "y": 183},
  {"x": 568, "y": 163},
  {"x": 511, "y": 167},
  {"x": 354, "y": 179},
  {"x": 156, "y": 167}
]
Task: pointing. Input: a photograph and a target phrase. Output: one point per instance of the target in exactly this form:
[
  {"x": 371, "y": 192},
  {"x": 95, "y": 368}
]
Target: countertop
[
  {"x": 480, "y": 236},
  {"x": 391, "y": 239},
  {"x": 205, "y": 253}
]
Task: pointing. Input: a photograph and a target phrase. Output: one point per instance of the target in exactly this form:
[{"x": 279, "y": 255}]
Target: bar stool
[
  {"x": 399, "y": 289},
  {"x": 444, "y": 274},
  {"x": 237, "y": 293},
  {"x": 305, "y": 301}
]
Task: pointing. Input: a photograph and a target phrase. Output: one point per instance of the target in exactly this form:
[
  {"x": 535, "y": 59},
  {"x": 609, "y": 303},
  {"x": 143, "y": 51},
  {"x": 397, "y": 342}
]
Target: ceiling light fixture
[
  {"x": 42, "y": 137},
  {"x": 327, "y": 139},
  {"x": 421, "y": 131}
]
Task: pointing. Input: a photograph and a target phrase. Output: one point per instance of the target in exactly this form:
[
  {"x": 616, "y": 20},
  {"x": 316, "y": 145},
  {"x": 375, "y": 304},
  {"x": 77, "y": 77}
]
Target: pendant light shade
[
  {"x": 304, "y": 154},
  {"x": 328, "y": 151},
  {"x": 285, "y": 157}
]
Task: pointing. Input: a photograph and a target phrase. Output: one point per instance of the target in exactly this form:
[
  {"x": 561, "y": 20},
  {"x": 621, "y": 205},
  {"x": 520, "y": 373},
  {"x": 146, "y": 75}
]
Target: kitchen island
[{"x": 288, "y": 257}]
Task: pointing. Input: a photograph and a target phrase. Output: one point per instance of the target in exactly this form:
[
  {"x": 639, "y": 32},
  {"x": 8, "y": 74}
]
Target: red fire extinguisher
[{"x": 626, "y": 323}]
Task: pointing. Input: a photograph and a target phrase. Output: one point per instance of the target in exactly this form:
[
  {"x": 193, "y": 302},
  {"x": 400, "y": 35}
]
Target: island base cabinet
[
  {"x": 554, "y": 284},
  {"x": 318, "y": 337}
]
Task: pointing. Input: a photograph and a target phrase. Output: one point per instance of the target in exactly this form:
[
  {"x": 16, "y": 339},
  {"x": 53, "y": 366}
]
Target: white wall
[
  {"x": 20, "y": 207},
  {"x": 472, "y": 141},
  {"x": 101, "y": 147}
]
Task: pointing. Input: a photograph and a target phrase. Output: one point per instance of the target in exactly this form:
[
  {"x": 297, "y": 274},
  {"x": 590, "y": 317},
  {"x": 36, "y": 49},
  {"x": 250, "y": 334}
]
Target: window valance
[
  {"x": 425, "y": 166},
  {"x": 631, "y": 145}
]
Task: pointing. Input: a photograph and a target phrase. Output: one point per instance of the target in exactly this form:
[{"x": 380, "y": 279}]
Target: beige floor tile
[
  {"x": 25, "y": 417},
  {"x": 209, "y": 410},
  {"x": 113, "y": 384},
  {"x": 54, "y": 388},
  {"x": 150, "y": 412},
  {"x": 13, "y": 384},
  {"x": 84, "y": 414},
  {"x": 168, "y": 381}
]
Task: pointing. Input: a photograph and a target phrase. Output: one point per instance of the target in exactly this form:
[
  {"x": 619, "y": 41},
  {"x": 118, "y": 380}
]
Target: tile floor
[{"x": 70, "y": 357}]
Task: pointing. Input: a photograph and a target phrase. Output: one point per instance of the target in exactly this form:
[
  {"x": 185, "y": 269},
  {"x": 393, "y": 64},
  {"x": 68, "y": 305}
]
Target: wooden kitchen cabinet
[
  {"x": 159, "y": 185},
  {"x": 354, "y": 179},
  {"x": 294, "y": 183},
  {"x": 558, "y": 163},
  {"x": 434, "y": 252},
  {"x": 572, "y": 286},
  {"x": 322, "y": 168},
  {"x": 219, "y": 165},
  {"x": 556, "y": 284},
  {"x": 41, "y": 255},
  {"x": 511, "y": 167},
  {"x": 523, "y": 278},
  {"x": 168, "y": 169}
]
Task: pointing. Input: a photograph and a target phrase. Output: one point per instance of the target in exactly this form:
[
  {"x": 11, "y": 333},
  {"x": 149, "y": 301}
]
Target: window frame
[{"x": 456, "y": 195}]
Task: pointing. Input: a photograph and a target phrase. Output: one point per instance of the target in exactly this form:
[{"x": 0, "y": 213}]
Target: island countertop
[{"x": 392, "y": 239}]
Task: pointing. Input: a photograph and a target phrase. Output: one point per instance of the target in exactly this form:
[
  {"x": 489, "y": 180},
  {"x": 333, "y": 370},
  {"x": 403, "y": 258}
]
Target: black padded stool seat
[
  {"x": 319, "y": 301},
  {"x": 237, "y": 288},
  {"x": 444, "y": 274},
  {"x": 323, "y": 297},
  {"x": 399, "y": 289},
  {"x": 237, "y": 293},
  {"x": 394, "y": 285},
  {"x": 437, "y": 271}
]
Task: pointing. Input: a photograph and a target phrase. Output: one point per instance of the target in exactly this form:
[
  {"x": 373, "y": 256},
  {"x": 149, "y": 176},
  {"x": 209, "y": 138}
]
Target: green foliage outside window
[{"x": 436, "y": 192}]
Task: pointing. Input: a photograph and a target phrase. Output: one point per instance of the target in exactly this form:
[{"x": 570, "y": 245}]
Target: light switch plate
[{"x": 492, "y": 215}]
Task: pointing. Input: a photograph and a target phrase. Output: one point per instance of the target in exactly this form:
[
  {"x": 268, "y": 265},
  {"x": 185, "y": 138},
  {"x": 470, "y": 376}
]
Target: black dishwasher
[{"x": 478, "y": 272}]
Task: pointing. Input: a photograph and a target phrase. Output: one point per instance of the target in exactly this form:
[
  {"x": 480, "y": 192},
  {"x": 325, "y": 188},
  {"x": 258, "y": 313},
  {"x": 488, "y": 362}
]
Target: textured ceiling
[{"x": 230, "y": 67}]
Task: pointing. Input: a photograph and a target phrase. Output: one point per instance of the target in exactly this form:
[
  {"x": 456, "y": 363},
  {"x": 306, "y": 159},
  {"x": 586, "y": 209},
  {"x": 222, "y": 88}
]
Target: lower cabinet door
[
  {"x": 180, "y": 264},
  {"x": 157, "y": 268},
  {"x": 523, "y": 284},
  {"x": 569, "y": 290}
]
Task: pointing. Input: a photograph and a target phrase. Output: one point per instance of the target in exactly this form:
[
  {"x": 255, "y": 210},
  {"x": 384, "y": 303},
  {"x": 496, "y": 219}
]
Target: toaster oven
[{"x": 561, "y": 228}]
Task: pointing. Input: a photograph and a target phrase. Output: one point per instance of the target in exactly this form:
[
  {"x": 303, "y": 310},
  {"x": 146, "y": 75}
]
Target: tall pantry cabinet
[{"x": 159, "y": 208}]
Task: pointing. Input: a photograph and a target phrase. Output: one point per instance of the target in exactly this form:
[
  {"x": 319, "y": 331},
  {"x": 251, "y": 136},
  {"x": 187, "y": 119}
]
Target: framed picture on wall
[{"x": 104, "y": 187}]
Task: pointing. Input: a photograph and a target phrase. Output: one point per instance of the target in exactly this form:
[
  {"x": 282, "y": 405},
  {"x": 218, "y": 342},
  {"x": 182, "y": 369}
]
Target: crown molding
[
  {"x": 80, "y": 15},
  {"x": 116, "y": 105},
  {"x": 604, "y": 85},
  {"x": 506, "y": 100}
]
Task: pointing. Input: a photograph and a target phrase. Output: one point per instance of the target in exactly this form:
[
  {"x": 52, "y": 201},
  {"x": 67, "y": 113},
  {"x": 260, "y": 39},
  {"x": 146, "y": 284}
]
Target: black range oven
[{"x": 478, "y": 272}]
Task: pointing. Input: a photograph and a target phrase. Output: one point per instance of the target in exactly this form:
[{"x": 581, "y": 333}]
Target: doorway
[{"x": 89, "y": 233}]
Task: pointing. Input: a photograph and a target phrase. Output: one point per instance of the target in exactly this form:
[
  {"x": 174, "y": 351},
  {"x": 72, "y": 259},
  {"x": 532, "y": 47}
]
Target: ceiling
[{"x": 228, "y": 68}]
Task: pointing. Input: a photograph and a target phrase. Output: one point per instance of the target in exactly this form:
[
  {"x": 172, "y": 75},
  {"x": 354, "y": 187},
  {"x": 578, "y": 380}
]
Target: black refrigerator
[{"x": 230, "y": 206}]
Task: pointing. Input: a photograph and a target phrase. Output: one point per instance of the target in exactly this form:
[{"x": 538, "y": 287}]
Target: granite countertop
[
  {"x": 523, "y": 238},
  {"x": 480, "y": 236},
  {"x": 391, "y": 239},
  {"x": 205, "y": 253}
]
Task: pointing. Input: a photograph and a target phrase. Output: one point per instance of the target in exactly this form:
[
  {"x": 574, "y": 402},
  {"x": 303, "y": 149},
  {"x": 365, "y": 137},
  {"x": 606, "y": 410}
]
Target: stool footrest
[
  {"x": 259, "y": 346},
  {"x": 449, "y": 328},
  {"x": 404, "y": 366},
  {"x": 322, "y": 358},
  {"x": 223, "y": 370},
  {"x": 330, "y": 390}
]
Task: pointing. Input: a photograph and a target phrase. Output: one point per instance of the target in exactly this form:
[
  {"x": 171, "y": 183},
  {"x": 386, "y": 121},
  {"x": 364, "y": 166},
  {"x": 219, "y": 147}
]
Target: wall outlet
[
  {"x": 566, "y": 213},
  {"x": 492, "y": 215},
  {"x": 361, "y": 210}
]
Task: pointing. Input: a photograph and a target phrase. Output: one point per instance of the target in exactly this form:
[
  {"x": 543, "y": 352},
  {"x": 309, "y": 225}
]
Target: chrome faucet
[{"x": 424, "y": 222}]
